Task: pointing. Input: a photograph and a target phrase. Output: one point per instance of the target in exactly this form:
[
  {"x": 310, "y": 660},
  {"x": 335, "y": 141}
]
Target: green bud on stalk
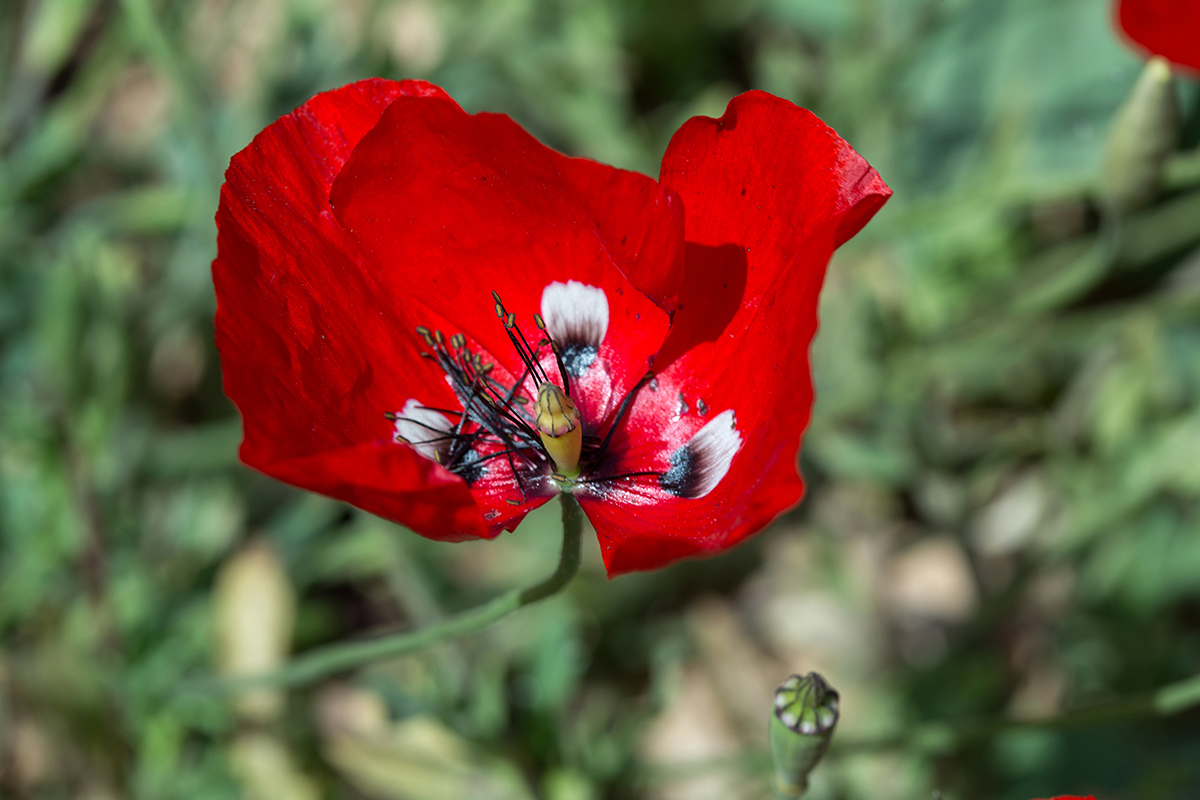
[
  {"x": 1142, "y": 136},
  {"x": 802, "y": 723}
]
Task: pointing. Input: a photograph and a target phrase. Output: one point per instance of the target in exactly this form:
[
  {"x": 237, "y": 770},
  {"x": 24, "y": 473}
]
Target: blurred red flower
[
  {"x": 1167, "y": 28},
  {"x": 361, "y": 238}
]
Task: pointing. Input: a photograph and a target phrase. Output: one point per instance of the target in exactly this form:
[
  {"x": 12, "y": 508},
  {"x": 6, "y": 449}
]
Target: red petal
[
  {"x": 454, "y": 206},
  {"x": 1167, "y": 28},
  {"x": 313, "y": 351},
  {"x": 769, "y": 191},
  {"x": 393, "y": 482},
  {"x": 640, "y": 220}
]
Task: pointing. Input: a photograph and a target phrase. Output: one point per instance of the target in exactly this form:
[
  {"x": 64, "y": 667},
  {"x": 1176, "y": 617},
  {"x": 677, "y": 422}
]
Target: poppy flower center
[
  {"x": 496, "y": 421},
  {"x": 529, "y": 432}
]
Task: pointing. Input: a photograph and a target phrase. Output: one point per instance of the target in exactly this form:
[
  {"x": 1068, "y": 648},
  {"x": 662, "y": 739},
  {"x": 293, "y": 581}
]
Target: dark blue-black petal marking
[
  {"x": 577, "y": 356},
  {"x": 683, "y": 478}
]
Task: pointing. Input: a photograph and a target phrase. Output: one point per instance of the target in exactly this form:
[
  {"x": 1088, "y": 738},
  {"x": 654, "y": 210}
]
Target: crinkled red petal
[
  {"x": 640, "y": 220},
  {"x": 1167, "y": 28},
  {"x": 454, "y": 206},
  {"x": 769, "y": 192},
  {"x": 314, "y": 346}
]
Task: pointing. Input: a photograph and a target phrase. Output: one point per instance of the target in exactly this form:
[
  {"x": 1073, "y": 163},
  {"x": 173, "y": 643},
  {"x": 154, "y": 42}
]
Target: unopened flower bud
[
  {"x": 801, "y": 726},
  {"x": 1143, "y": 134}
]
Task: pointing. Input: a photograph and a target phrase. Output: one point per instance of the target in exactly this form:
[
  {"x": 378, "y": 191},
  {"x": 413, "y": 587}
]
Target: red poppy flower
[
  {"x": 651, "y": 350},
  {"x": 1167, "y": 28}
]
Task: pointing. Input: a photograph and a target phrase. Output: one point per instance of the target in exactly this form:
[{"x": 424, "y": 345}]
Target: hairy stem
[{"x": 336, "y": 658}]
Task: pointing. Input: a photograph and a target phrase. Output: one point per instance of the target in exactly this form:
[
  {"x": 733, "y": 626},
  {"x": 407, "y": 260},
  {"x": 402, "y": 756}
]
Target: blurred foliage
[{"x": 1004, "y": 460}]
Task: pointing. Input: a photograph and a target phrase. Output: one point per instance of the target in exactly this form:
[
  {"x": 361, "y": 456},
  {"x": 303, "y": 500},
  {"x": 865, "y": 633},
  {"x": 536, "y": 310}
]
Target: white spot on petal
[
  {"x": 423, "y": 428},
  {"x": 701, "y": 464},
  {"x": 576, "y": 316}
]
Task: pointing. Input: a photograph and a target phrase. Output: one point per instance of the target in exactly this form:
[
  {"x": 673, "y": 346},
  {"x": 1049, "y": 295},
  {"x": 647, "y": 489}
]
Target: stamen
[
  {"x": 562, "y": 370},
  {"x": 527, "y": 354},
  {"x": 621, "y": 411},
  {"x": 532, "y": 354},
  {"x": 495, "y": 421},
  {"x": 554, "y": 348},
  {"x": 489, "y": 425}
]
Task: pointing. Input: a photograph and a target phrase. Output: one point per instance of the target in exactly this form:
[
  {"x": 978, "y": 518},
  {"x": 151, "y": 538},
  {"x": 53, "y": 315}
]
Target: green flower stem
[{"x": 339, "y": 657}]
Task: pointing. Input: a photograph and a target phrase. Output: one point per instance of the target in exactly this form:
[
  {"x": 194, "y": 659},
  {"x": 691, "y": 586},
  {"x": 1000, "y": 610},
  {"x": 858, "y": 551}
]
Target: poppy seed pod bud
[
  {"x": 558, "y": 424},
  {"x": 1142, "y": 136},
  {"x": 802, "y": 723}
]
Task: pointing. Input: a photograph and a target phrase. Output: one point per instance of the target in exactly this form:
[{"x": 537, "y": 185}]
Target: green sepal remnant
[{"x": 1142, "y": 136}]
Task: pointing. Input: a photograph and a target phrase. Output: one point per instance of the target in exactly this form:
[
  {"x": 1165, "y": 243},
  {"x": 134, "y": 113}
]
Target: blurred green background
[{"x": 1003, "y": 516}]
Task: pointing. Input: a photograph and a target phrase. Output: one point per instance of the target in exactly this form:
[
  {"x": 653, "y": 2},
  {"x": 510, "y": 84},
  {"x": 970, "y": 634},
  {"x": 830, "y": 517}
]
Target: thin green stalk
[{"x": 339, "y": 657}]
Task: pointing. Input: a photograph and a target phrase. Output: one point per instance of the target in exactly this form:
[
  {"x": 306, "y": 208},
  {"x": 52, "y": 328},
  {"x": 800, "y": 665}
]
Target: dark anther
[{"x": 492, "y": 424}]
